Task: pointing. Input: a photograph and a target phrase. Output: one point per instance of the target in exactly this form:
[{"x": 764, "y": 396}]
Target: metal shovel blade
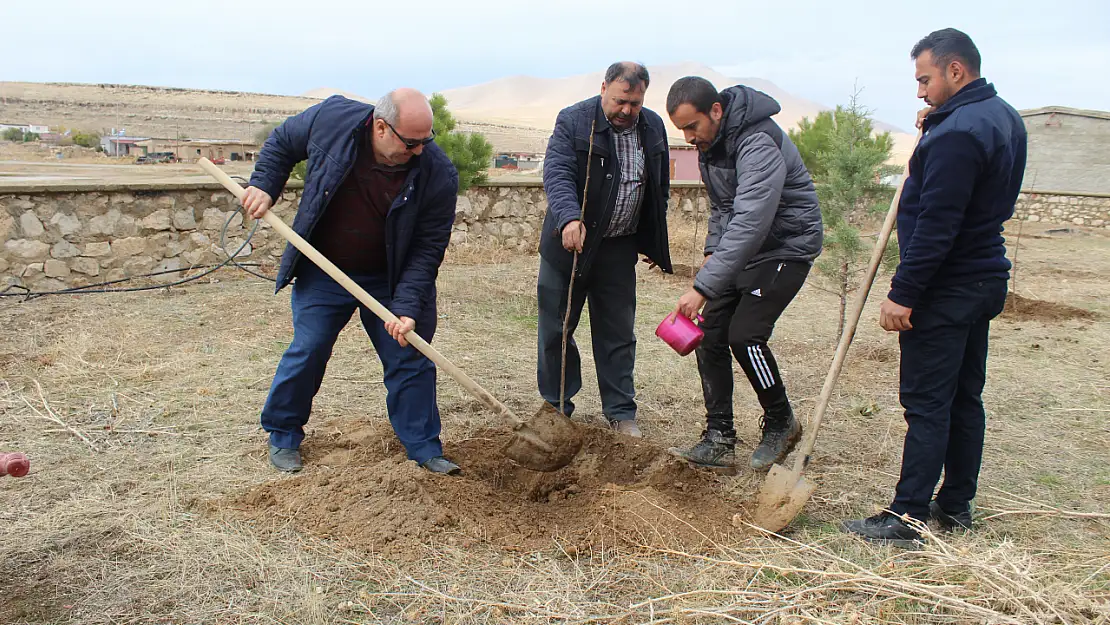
[
  {"x": 546, "y": 442},
  {"x": 783, "y": 495}
]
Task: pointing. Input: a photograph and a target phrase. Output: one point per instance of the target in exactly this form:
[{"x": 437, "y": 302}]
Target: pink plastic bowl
[{"x": 683, "y": 335}]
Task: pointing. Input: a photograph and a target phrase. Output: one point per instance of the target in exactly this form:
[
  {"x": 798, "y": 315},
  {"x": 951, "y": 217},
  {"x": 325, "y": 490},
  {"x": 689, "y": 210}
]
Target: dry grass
[{"x": 147, "y": 418}]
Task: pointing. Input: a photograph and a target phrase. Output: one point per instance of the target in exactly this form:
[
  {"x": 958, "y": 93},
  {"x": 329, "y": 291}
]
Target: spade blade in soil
[
  {"x": 783, "y": 495},
  {"x": 546, "y": 442}
]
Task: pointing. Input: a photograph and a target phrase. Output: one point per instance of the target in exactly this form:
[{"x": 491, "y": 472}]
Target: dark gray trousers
[{"x": 610, "y": 287}]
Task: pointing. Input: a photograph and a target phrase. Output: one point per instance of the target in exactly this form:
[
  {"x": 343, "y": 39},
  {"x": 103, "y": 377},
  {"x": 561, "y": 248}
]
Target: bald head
[{"x": 402, "y": 121}]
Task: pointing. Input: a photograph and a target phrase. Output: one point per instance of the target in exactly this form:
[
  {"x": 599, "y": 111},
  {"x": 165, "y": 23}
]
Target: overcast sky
[{"x": 1053, "y": 52}]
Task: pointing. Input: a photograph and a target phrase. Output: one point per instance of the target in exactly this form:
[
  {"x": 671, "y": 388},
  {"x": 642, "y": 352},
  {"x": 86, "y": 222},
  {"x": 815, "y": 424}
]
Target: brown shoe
[{"x": 627, "y": 427}]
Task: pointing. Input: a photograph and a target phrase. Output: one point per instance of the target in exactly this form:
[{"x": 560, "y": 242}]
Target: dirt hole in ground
[
  {"x": 1020, "y": 308},
  {"x": 359, "y": 489}
]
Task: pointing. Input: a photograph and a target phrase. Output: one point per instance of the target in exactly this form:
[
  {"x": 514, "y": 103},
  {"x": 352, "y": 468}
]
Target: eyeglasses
[{"x": 411, "y": 143}]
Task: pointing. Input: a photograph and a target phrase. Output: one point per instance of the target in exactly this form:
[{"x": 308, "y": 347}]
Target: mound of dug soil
[
  {"x": 1019, "y": 308},
  {"x": 359, "y": 489}
]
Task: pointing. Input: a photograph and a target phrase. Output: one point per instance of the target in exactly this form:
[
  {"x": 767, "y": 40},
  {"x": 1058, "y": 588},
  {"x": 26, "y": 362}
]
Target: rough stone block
[
  {"x": 32, "y": 271},
  {"x": 126, "y": 226},
  {"x": 98, "y": 249},
  {"x": 7, "y": 226},
  {"x": 158, "y": 220},
  {"x": 170, "y": 264},
  {"x": 67, "y": 223},
  {"x": 104, "y": 224},
  {"x": 27, "y": 249},
  {"x": 130, "y": 246},
  {"x": 185, "y": 219},
  {"x": 30, "y": 225},
  {"x": 64, "y": 249},
  {"x": 87, "y": 266},
  {"x": 138, "y": 265},
  {"x": 55, "y": 268}
]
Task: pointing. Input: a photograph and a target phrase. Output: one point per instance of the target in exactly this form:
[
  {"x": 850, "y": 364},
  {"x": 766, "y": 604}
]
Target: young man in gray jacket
[{"x": 764, "y": 232}]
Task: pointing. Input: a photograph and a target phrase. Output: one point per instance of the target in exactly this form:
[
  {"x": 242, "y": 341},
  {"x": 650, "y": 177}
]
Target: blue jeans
[
  {"x": 943, "y": 370},
  {"x": 321, "y": 308}
]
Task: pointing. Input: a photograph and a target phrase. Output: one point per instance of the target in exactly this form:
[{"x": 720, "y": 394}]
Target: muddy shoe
[
  {"x": 627, "y": 427},
  {"x": 779, "y": 438},
  {"x": 950, "y": 521},
  {"x": 442, "y": 465},
  {"x": 884, "y": 528},
  {"x": 286, "y": 460},
  {"x": 715, "y": 450}
]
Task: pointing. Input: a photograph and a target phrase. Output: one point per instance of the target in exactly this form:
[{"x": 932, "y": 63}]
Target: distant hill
[{"x": 531, "y": 102}]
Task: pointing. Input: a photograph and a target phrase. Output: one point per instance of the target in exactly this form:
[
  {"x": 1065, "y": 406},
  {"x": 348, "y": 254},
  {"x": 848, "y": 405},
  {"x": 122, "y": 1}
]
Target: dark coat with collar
[
  {"x": 564, "y": 179},
  {"x": 418, "y": 225},
  {"x": 964, "y": 180}
]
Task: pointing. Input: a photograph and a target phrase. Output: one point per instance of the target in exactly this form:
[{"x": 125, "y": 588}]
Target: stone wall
[
  {"x": 61, "y": 236},
  {"x": 511, "y": 214},
  {"x": 74, "y": 235},
  {"x": 1082, "y": 210}
]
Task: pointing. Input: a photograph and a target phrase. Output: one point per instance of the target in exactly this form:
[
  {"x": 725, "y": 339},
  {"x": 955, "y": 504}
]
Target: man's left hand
[
  {"x": 689, "y": 304},
  {"x": 894, "y": 317},
  {"x": 400, "y": 328},
  {"x": 650, "y": 263}
]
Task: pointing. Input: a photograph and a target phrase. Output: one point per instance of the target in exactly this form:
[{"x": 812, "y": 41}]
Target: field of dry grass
[{"x": 151, "y": 500}]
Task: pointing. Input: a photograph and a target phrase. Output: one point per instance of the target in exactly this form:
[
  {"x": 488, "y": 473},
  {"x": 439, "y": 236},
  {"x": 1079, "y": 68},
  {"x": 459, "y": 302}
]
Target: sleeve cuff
[{"x": 902, "y": 297}]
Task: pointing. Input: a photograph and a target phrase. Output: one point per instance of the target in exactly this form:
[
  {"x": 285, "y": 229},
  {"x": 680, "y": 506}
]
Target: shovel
[
  {"x": 785, "y": 491},
  {"x": 542, "y": 444}
]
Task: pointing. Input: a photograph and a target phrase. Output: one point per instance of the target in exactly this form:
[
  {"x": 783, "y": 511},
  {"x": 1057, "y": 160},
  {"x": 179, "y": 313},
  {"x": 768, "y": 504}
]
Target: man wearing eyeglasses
[
  {"x": 379, "y": 202},
  {"x": 625, "y": 215}
]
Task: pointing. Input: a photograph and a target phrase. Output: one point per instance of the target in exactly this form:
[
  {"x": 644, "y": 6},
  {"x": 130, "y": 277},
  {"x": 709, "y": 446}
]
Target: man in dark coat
[
  {"x": 626, "y": 214},
  {"x": 964, "y": 179},
  {"x": 379, "y": 202}
]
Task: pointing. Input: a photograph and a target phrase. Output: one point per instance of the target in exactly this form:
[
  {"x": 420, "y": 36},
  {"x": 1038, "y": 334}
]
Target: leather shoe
[
  {"x": 947, "y": 520},
  {"x": 628, "y": 427},
  {"x": 439, "y": 464},
  {"x": 286, "y": 460},
  {"x": 884, "y": 528}
]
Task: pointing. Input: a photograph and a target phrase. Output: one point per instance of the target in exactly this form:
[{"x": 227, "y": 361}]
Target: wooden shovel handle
[
  {"x": 853, "y": 321},
  {"x": 368, "y": 300}
]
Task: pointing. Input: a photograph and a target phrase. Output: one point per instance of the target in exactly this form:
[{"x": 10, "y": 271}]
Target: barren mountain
[{"x": 516, "y": 113}]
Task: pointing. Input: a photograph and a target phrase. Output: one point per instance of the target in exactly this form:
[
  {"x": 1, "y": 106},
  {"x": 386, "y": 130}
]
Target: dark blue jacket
[
  {"x": 418, "y": 226},
  {"x": 965, "y": 176},
  {"x": 564, "y": 179}
]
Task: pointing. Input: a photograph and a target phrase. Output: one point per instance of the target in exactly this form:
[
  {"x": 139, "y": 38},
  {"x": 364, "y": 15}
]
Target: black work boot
[
  {"x": 286, "y": 460},
  {"x": 884, "y": 528},
  {"x": 950, "y": 520},
  {"x": 715, "y": 450},
  {"x": 780, "y": 435}
]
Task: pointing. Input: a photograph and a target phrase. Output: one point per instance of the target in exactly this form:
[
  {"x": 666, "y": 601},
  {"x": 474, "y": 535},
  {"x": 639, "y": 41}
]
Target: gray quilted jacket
[{"x": 763, "y": 206}]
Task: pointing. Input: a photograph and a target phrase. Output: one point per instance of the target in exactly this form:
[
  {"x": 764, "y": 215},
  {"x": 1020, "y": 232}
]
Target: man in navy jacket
[
  {"x": 379, "y": 202},
  {"x": 625, "y": 215},
  {"x": 964, "y": 180}
]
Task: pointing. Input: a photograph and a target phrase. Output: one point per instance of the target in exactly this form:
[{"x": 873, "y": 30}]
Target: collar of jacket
[
  {"x": 974, "y": 91},
  {"x": 722, "y": 130}
]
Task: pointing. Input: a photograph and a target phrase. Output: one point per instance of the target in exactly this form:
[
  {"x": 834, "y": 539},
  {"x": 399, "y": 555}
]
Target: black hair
[
  {"x": 693, "y": 90},
  {"x": 632, "y": 73},
  {"x": 949, "y": 45}
]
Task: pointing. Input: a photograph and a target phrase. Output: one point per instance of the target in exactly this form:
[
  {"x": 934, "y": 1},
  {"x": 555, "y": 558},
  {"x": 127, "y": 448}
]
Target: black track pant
[{"x": 739, "y": 323}]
